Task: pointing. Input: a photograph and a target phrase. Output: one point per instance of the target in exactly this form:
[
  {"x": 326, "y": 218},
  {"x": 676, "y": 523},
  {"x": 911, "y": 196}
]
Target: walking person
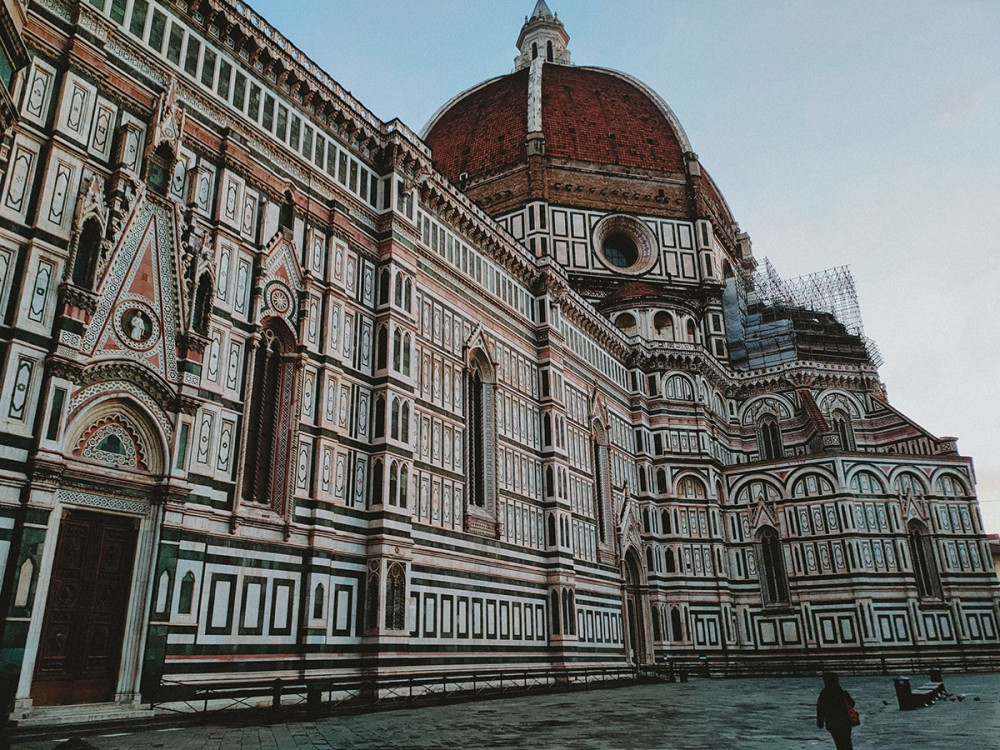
[{"x": 835, "y": 709}]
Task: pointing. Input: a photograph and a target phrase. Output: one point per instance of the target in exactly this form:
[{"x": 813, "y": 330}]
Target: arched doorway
[
  {"x": 84, "y": 644},
  {"x": 637, "y": 640}
]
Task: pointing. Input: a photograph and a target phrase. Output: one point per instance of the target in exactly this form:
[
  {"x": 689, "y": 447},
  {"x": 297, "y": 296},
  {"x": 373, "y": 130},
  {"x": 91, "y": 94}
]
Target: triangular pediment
[
  {"x": 136, "y": 314},
  {"x": 282, "y": 276}
]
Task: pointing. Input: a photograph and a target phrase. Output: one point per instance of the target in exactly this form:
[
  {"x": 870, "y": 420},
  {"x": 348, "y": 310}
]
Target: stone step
[{"x": 45, "y": 716}]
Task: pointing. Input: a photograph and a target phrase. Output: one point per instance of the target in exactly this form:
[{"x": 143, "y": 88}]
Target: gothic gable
[{"x": 136, "y": 317}]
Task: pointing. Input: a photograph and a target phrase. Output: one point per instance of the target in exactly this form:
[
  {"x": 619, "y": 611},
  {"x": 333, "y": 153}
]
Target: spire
[
  {"x": 542, "y": 38},
  {"x": 541, "y": 10}
]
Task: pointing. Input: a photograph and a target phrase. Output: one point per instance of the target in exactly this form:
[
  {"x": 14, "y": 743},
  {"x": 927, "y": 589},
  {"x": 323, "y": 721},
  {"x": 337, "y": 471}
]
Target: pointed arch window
[
  {"x": 769, "y": 439},
  {"x": 773, "y": 579},
  {"x": 480, "y": 445},
  {"x": 676, "y": 631},
  {"x": 395, "y": 598},
  {"x": 185, "y": 598},
  {"x": 925, "y": 568},
  {"x": 397, "y": 350},
  {"x": 394, "y": 422},
  {"x": 406, "y": 355},
  {"x": 270, "y": 421},
  {"x": 383, "y": 287},
  {"x": 381, "y": 348},
  {"x": 602, "y": 481},
  {"x": 844, "y": 429},
  {"x": 398, "y": 296},
  {"x": 376, "y": 488},
  {"x": 161, "y": 165},
  {"x": 319, "y": 601},
  {"x": 379, "y": 427},
  {"x": 404, "y": 485}
]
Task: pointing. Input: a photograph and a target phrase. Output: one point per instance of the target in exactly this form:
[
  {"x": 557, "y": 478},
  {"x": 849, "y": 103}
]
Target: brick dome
[{"x": 583, "y": 114}]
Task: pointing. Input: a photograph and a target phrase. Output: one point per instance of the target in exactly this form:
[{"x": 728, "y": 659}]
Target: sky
[{"x": 848, "y": 133}]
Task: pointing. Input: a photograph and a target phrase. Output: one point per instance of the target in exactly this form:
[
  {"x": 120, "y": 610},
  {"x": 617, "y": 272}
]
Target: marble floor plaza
[{"x": 761, "y": 713}]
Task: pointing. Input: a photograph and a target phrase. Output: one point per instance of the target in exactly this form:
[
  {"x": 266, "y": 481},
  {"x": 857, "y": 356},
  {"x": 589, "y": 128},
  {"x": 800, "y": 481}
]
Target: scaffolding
[{"x": 831, "y": 291}]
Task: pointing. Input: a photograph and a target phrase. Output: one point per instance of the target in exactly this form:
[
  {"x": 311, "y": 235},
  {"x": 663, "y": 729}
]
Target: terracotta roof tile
[{"x": 483, "y": 131}]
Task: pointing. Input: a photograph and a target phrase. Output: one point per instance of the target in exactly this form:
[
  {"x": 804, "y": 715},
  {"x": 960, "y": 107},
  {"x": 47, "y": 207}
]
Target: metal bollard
[
  {"x": 276, "y": 694},
  {"x": 314, "y": 701}
]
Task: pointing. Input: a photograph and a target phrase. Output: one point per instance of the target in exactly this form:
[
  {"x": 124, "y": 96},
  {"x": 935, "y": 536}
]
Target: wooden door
[{"x": 80, "y": 648}]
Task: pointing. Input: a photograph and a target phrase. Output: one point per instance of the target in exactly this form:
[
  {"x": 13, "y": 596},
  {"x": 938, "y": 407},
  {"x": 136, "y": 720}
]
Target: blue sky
[{"x": 860, "y": 133}]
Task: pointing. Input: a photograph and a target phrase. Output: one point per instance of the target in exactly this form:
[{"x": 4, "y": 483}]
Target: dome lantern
[{"x": 543, "y": 37}]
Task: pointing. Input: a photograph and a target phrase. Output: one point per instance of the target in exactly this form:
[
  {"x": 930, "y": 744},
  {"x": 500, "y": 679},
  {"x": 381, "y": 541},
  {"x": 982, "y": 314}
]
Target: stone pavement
[{"x": 763, "y": 713}]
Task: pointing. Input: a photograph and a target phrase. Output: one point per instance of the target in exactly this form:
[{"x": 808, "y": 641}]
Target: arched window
[
  {"x": 670, "y": 561},
  {"x": 842, "y": 425},
  {"x": 691, "y": 488},
  {"x": 769, "y": 439},
  {"x": 371, "y": 598},
  {"x": 548, "y": 51},
  {"x": 908, "y": 484},
  {"x": 381, "y": 348},
  {"x": 404, "y": 485},
  {"x": 649, "y": 560},
  {"x": 534, "y": 50},
  {"x": 185, "y": 596},
  {"x": 376, "y": 493},
  {"x": 550, "y": 482},
  {"x": 271, "y": 409},
  {"x": 692, "y": 332},
  {"x": 394, "y": 423},
  {"x": 866, "y": 483},
  {"x": 383, "y": 287},
  {"x": 161, "y": 164},
  {"x": 406, "y": 355},
  {"x": 627, "y": 323},
  {"x": 398, "y": 297},
  {"x": 480, "y": 431},
  {"x": 397, "y": 350},
  {"x": 602, "y": 481},
  {"x": 663, "y": 326},
  {"x": 676, "y": 633},
  {"x": 679, "y": 388},
  {"x": 408, "y": 294},
  {"x": 404, "y": 423},
  {"x": 286, "y": 213},
  {"x": 379, "y": 427},
  {"x": 665, "y": 521},
  {"x": 661, "y": 482},
  {"x": 924, "y": 564},
  {"x": 88, "y": 250},
  {"x": 319, "y": 601},
  {"x": 546, "y": 430},
  {"x": 395, "y": 598},
  {"x": 773, "y": 581},
  {"x": 554, "y": 611},
  {"x": 950, "y": 486},
  {"x": 393, "y": 483}
]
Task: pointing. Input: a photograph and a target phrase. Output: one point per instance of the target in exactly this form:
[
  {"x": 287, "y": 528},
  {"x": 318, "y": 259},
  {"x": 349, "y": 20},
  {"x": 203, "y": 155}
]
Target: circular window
[
  {"x": 624, "y": 244},
  {"x": 620, "y": 250}
]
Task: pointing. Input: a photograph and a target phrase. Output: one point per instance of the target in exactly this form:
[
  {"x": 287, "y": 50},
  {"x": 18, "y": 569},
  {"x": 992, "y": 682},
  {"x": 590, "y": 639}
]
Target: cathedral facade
[{"x": 291, "y": 392}]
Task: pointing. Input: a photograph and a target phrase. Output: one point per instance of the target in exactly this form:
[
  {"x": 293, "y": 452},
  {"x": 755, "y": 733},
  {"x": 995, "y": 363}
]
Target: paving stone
[{"x": 774, "y": 714}]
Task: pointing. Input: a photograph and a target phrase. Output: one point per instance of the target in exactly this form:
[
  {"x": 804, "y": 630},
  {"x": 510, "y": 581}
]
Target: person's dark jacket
[{"x": 831, "y": 708}]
